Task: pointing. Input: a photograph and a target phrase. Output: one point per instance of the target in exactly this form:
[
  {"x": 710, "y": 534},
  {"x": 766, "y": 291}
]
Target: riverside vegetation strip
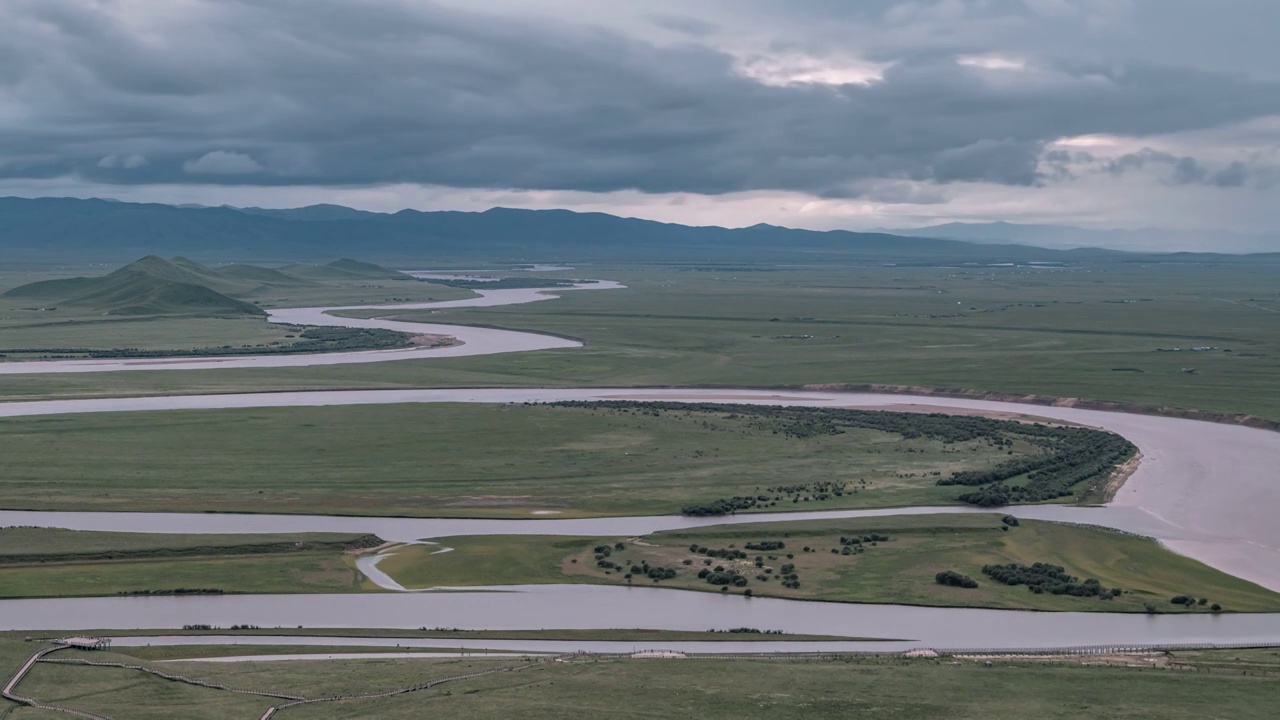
[
  {"x": 572, "y": 459},
  {"x": 1064, "y": 457},
  {"x": 891, "y": 559}
]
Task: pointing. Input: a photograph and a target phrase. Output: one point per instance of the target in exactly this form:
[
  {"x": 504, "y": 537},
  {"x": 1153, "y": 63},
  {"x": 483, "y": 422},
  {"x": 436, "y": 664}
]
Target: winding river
[
  {"x": 470, "y": 341},
  {"x": 1206, "y": 490}
]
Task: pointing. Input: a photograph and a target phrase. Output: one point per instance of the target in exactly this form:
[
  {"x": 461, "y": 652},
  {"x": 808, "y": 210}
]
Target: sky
[{"x": 804, "y": 113}]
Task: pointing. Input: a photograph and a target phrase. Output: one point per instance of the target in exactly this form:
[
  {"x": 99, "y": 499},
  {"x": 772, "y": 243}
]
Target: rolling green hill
[
  {"x": 150, "y": 286},
  {"x": 143, "y": 295},
  {"x": 53, "y": 290}
]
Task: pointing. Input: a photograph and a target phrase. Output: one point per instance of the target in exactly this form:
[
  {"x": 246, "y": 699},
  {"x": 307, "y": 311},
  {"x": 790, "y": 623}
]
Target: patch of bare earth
[
  {"x": 429, "y": 340},
  {"x": 371, "y": 550},
  {"x": 1119, "y": 476}
]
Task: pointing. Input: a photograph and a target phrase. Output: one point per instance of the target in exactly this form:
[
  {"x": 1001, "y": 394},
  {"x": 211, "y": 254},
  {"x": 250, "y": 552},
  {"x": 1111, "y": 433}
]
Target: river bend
[{"x": 470, "y": 341}]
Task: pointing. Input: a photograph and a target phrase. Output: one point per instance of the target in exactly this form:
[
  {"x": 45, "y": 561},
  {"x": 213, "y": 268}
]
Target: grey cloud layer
[
  {"x": 327, "y": 92},
  {"x": 1182, "y": 170}
]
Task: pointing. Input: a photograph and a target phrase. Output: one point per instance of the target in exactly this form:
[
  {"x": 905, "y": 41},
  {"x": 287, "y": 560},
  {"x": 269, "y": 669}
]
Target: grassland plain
[
  {"x": 1209, "y": 684},
  {"x": 899, "y": 570},
  {"x": 64, "y": 563},
  {"x": 456, "y": 460},
  {"x": 1095, "y": 332}
]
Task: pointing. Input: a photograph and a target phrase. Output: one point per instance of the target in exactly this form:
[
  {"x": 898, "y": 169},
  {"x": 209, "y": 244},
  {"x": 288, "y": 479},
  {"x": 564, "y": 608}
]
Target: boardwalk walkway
[
  {"x": 291, "y": 700},
  {"x": 10, "y": 688},
  {"x": 271, "y": 712},
  {"x": 175, "y": 677}
]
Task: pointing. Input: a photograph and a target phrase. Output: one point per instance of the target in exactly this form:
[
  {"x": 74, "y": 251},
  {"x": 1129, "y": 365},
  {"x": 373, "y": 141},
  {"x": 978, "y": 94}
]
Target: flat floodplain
[
  {"x": 461, "y": 460},
  {"x": 900, "y": 569},
  {"x": 37, "y": 562}
]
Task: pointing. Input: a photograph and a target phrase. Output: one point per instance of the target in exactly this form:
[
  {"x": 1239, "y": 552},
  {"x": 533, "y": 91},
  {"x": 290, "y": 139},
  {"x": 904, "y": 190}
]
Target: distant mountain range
[
  {"x": 180, "y": 286},
  {"x": 58, "y": 229},
  {"x": 1066, "y": 236}
]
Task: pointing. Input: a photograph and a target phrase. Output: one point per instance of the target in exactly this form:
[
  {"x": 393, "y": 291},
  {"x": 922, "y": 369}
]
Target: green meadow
[
  {"x": 38, "y": 562},
  {"x": 461, "y": 460}
]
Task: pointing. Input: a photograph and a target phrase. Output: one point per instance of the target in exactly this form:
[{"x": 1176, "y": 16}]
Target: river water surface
[{"x": 533, "y": 607}]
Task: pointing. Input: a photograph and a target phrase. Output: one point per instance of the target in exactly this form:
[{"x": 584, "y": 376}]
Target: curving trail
[{"x": 289, "y": 699}]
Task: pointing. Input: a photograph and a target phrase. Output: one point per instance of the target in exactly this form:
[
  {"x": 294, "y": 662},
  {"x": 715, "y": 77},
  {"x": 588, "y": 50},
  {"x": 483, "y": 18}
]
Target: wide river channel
[{"x": 1205, "y": 490}]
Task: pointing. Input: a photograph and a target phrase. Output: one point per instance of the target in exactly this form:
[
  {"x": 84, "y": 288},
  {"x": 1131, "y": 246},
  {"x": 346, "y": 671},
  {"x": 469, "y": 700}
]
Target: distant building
[{"x": 86, "y": 643}]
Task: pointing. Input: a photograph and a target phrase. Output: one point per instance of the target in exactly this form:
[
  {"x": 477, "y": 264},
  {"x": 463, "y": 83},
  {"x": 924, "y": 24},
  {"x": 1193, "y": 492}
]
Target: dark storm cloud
[
  {"x": 1181, "y": 170},
  {"x": 1233, "y": 175},
  {"x": 1228, "y": 35},
  {"x": 328, "y": 92}
]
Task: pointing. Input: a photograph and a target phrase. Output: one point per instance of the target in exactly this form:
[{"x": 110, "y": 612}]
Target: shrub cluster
[
  {"x": 1076, "y": 455},
  {"x": 1191, "y": 601},
  {"x": 1045, "y": 578},
  {"x": 789, "y": 577},
  {"x": 954, "y": 579},
  {"x": 870, "y": 538},
  {"x": 819, "y": 490},
  {"x": 173, "y": 591},
  {"x": 726, "y": 553},
  {"x": 723, "y": 577},
  {"x": 723, "y": 506},
  {"x": 654, "y": 573},
  {"x": 603, "y": 552}
]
